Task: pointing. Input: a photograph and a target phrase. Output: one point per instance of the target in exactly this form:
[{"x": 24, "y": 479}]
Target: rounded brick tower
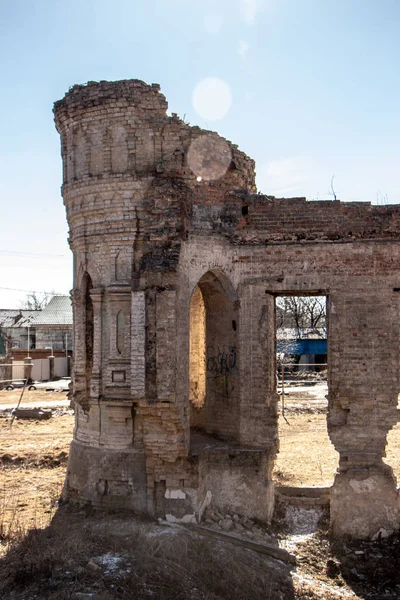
[{"x": 133, "y": 178}]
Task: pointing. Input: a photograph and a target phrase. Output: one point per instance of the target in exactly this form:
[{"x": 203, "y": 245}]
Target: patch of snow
[
  {"x": 190, "y": 518},
  {"x": 290, "y": 543},
  {"x": 302, "y": 520},
  {"x": 175, "y": 494},
  {"x": 111, "y": 562},
  {"x": 164, "y": 529}
]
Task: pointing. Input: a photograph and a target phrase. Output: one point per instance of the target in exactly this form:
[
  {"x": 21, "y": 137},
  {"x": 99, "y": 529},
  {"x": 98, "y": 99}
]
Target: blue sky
[{"x": 312, "y": 90}]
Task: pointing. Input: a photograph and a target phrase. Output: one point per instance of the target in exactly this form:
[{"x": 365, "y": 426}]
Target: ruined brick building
[{"x": 177, "y": 264}]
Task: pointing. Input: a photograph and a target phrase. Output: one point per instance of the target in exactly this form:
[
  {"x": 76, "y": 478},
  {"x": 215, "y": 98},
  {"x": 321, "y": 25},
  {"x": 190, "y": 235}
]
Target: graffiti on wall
[{"x": 221, "y": 361}]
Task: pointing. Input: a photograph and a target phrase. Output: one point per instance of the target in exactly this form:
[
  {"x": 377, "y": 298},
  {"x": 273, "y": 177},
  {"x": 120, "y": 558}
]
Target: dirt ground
[
  {"x": 33, "y": 454},
  {"x": 33, "y": 458},
  {"x": 306, "y": 455},
  {"x": 34, "y": 397}
]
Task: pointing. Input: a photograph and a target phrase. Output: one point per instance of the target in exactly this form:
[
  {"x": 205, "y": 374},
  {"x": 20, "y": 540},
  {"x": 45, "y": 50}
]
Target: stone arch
[
  {"x": 88, "y": 267},
  {"x": 213, "y": 361}
]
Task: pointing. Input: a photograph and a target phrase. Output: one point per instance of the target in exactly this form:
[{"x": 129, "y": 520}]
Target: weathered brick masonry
[{"x": 159, "y": 212}]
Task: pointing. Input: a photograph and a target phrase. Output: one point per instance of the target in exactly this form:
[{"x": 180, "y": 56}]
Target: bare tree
[
  {"x": 302, "y": 313},
  {"x": 36, "y": 300}
]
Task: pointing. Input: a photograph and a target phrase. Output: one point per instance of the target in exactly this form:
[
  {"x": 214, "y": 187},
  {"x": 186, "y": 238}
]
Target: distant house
[
  {"x": 53, "y": 325},
  {"x": 50, "y": 328},
  {"x": 45, "y": 336},
  {"x": 14, "y": 329}
]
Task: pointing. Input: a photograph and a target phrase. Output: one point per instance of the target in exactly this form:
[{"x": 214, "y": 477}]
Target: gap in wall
[
  {"x": 306, "y": 457},
  {"x": 392, "y": 449}
]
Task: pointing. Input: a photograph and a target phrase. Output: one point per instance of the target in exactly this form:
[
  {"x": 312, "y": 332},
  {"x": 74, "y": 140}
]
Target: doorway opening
[
  {"x": 213, "y": 361},
  {"x": 306, "y": 457}
]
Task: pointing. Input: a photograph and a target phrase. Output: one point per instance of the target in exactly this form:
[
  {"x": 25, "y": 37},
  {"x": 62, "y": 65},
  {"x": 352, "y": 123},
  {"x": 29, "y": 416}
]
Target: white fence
[
  {"x": 19, "y": 370},
  {"x": 61, "y": 366},
  {"x": 41, "y": 369}
]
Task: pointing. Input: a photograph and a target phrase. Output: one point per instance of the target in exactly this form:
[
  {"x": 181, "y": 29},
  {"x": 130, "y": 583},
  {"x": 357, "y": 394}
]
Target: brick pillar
[
  {"x": 166, "y": 345},
  {"x": 79, "y": 327},
  {"x": 363, "y": 389},
  {"x": 96, "y": 295},
  {"x": 138, "y": 345},
  {"x": 258, "y": 408},
  {"x": 258, "y": 404},
  {"x": 78, "y": 372}
]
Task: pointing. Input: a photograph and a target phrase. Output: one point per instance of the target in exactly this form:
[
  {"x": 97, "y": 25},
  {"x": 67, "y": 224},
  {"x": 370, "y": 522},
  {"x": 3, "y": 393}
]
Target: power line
[
  {"x": 31, "y": 265},
  {"x": 33, "y": 254},
  {"x": 33, "y": 291},
  {"x": 30, "y": 253}
]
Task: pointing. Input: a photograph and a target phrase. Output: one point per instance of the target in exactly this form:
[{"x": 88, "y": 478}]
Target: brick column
[
  {"x": 96, "y": 295},
  {"x": 258, "y": 402},
  {"x": 166, "y": 345},
  {"x": 79, "y": 327},
  {"x": 138, "y": 344},
  {"x": 78, "y": 374},
  {"x": 258, "y": 407},
  {"x": 363, "y": 389}
]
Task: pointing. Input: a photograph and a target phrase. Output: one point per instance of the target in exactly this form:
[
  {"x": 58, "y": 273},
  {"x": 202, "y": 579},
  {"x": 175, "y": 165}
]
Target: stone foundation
[{"x": 106, "y": 479}]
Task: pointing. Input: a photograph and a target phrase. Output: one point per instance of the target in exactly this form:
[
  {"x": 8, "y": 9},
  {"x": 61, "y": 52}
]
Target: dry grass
[
  {"x": 307, "y": 456},
  {"x": 35, "y": 397},
  {"x": 33, "y": 457},
  {"x": 50, "y": 553},
  {"x": 75, "y": 555}
]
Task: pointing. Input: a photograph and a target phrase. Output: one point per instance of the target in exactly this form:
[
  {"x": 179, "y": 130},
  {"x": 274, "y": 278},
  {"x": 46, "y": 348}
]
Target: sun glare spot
[
  {"x": 209, "y": 157},
  {"x": 212, "y": 99}
]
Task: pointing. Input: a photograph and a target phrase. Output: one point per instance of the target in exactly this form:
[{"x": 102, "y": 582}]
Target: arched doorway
[{"x": 213, "y": 362}]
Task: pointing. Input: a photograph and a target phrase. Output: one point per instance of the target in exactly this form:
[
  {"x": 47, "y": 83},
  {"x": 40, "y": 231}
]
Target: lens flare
[
  {"x": 209, "y": 157},
  {"x": 212, "y": 99}
]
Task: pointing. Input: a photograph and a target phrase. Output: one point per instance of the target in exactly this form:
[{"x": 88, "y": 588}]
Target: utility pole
[{"x": 29, "y": 340}]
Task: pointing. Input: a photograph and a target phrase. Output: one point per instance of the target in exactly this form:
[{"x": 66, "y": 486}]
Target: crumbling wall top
[
  {"x": 147, "y": 98},
  {"x": 111, "y": 129}
]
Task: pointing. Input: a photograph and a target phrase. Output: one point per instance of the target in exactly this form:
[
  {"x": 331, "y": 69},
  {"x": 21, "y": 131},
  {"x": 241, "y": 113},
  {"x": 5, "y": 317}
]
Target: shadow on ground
[
  {"x": 370, "y": 569},
  {"x": 82, "y": 556}
]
